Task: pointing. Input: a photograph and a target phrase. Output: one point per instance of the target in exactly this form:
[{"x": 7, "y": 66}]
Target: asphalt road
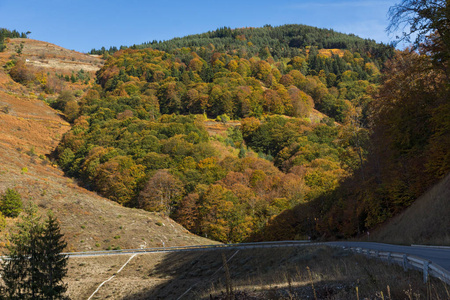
[{"x": 439, "y": 256}]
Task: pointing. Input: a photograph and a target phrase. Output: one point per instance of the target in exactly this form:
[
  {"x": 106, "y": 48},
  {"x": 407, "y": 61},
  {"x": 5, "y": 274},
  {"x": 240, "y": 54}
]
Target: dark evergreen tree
[
  {"x": 52, "y": 265},
  {"x": 16, "y": 272},
  {"x": 5, "y": 33},
  {"x": 35, "y": 268}
]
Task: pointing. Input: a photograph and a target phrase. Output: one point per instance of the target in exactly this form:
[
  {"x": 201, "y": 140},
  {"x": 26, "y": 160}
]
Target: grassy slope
[
  {"x": 52, "y": 57},
  {"x": 426, "y": 221},
  {"x": 30, "y": 130}
]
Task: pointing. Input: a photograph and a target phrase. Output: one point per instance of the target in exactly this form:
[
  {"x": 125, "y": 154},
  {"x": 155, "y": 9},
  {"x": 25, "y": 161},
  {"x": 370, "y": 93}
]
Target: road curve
[{"x": 438, "y": 256}]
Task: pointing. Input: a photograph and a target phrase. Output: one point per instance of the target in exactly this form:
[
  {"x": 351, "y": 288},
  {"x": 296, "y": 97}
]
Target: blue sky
[{"x": 82, "y": 25}]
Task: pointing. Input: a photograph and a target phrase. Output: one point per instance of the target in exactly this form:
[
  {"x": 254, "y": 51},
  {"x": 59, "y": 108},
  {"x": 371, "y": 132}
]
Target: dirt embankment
[{"x": 426, "y": 221}]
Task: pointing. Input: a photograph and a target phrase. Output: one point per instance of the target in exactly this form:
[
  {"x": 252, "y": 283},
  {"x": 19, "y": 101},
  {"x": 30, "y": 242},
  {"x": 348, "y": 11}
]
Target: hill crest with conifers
[{"x": 281, "y": 41}]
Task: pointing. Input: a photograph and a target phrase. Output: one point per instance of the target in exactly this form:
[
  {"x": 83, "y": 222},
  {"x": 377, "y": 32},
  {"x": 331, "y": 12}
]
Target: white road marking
[{"x": 112, "y": 277}]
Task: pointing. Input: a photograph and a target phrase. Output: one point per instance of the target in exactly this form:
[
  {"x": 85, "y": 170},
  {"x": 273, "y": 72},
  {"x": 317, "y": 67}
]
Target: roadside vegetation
[{"x": 423, "y": 223}]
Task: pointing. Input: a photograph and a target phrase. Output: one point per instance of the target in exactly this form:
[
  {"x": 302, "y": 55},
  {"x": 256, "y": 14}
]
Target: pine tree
[
  {"x": 53, "y": 264},
  {"x": 35, "y": 268},
  {"x": 16, "y": 271}
]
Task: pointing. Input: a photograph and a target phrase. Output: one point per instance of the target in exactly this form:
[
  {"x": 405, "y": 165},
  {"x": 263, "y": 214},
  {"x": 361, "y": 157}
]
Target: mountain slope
[
  {"x": 426, "y": 221},
  {"x": 30, "y": 130},
  {"x": 52, "y": 57},
  {"x": 139, "y": 136}
]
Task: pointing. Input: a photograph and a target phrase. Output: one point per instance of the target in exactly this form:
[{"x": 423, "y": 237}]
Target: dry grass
[
  {"x": 47, "y": 60},
  {"x": 53, "y": 57},
  {"x": 219, "y": 128},
  {"x": 424, "y": 222},
  {"x": 255, "y": 274},
  {"x": 85, "y": 275}
]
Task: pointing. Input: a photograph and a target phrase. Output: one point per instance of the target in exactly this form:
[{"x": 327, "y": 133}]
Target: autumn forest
[{"x": 272, "y": 133}]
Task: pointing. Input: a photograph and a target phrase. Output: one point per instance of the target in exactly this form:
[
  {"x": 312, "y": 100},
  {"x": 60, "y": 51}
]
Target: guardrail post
[
  {"x": 377, "y": 253},
  {"x": 405, "y": 262},
  {"x": 389, "y": 258},
  {"x": 425, "y": 271}
]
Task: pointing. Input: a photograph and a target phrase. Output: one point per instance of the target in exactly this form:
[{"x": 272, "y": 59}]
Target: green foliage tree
[
  {"x": 11, "y": 203},
  {"x": 36, "y": 267},
  {"x": 16, "y": 272},
  {"x": 63, "y": 99}
]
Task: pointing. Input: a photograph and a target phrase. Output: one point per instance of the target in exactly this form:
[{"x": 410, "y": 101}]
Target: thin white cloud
[
  {"x": 368, "y": 29},
  {"x": 339, "y": 4}
]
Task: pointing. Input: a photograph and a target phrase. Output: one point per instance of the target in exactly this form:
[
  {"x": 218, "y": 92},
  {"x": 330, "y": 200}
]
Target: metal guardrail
[
  {"x": 430, "y": 246},
  {"x": 193, "y": 248},
  {"x": 407, "y": 261},
  {"x": 188, "y": 248}
]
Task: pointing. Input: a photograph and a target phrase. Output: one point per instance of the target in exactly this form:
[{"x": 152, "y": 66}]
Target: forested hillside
[
  {"x": 139, "y": 136},
  {"x": 30, "y": 130},
  {"x": 409, "y": 145}
]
